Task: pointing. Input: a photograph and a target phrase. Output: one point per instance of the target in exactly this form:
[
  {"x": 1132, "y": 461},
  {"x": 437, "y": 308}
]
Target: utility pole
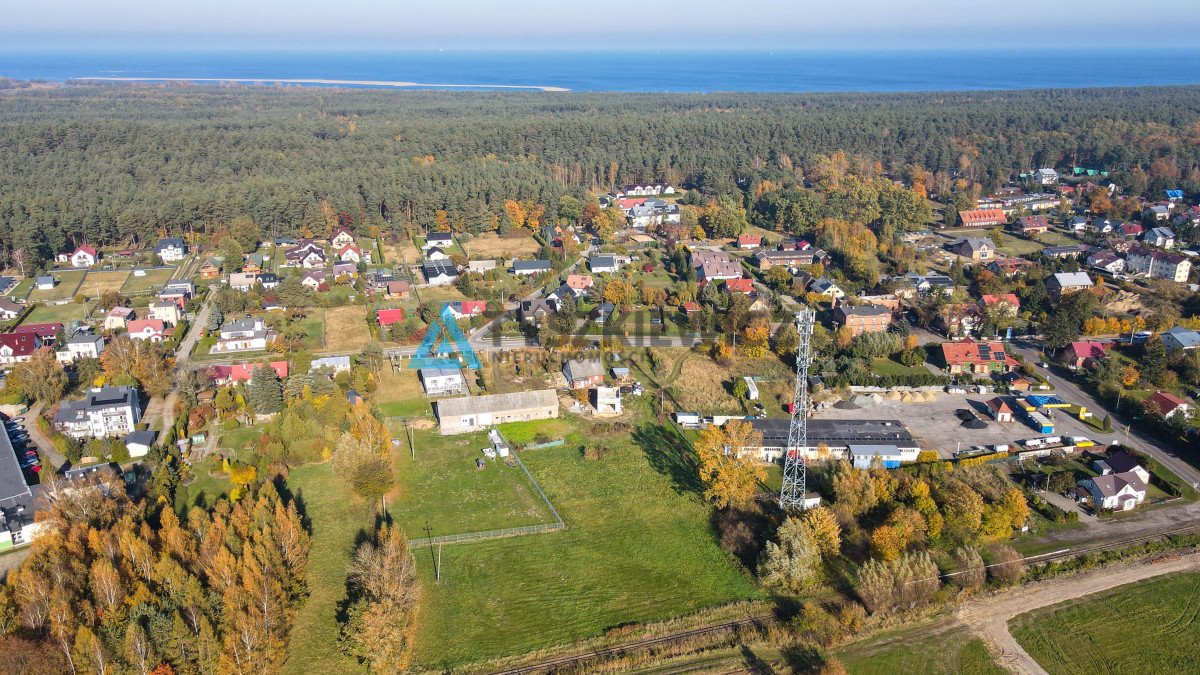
[{"x": 438, "y": 570}]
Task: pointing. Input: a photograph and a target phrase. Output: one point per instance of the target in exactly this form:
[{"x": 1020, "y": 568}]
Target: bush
[
  {"x": 1006, "y": 566},
  {"x": 596, "y": 452}
]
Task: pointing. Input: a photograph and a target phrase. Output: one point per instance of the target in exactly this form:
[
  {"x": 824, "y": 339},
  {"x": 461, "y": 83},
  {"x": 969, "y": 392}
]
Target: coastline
[{"x": 319, "y": 81}]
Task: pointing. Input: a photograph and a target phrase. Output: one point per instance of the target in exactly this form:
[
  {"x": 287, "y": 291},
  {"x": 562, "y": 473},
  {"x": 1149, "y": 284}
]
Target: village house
[
  {"x": 582, "y": 374},
  {"x": 386, "y": 317},
  {"x": 1116, "y": 491},
  {"x": 645, "y": 189},
  {"x": 474, "y": 413},
  {"x": 117, "y": 317},
  {"x": 606, "y": 401},
  {"x": 84, "y": 256},
  {"x": 977, "y": 358},
  {"x": 1008, "y": 267},
  {"x": 10, "y": 310},
  {"x": 269, "y": 280},
  {"x": 960, "y": 319},
  {"x": 523, "y": 268},
  {"x": 1158, "y": 264},
  {"x": 335, "y": 364},
  {"x": 1131, "y": 230},
  {"x": 974, "y": 248},
  {"x": 243, "y": 372},
  {"x": 1168, "y": 404},
  {"x": 602, "y": 312},
  {"x": 354, "y": 254},
  {"x": 1008, "y": 303},
  {"x": 1082, "y": 354},
  {"x": 534, "y": 311},
  {"x": 245, "y": 335},
  {"x": 313, "y": 279},
  {"x": 1031, "y": 225},
  {"x": 1180, "y": 339},
  {"x": 45, "y": 283},
  {"x": 242, "y": 281},
  {"x": 826, "y": 287},
  {"x": 603, "y": 264},
  {"x": 47, "y": 332},
  {"x": 1162, "y": 237},
  {"x": 17, "y": 347},
  {"x": 1121, "y": 462},
  {"x": 714, "y": 265},
  {"x": 1106, "y": 261},
  {"x": 440, "y": 381},
  {"x": 398, "y": 289},
  {"x": 1157, "y": 212},
  {"x": 912, "y": 285},
  {"x": 146, "y": 329},
  {"x": 211, "y": 269},
  {"x": 254, "y": 264},
  {"x": 341, "y": 237},
  {"x": 999, "y": 409},
  {"x": 465, "y": 309},
  {"x": 441, "y": 240},
  {"x": 164, "y": 311},
  {"x": 1046, "y": 177},
  {"x": 1065, "y": 283},
  {"x": 171, "y": 249},
  {"x": 439, "y": 273},
  {"x": 749, "y": 241},
  {"x": 481, "y": 266},
  {"x": 863, "y": 318},
  {"x": 790, "y": 258},
  {"x": 982, "y": 218},
  {"x": 104, "y": 412},
  {"x": 579, "y": 283},
  {"x": 435, "y": 253},
  {"x": 1068, "y": 251}
]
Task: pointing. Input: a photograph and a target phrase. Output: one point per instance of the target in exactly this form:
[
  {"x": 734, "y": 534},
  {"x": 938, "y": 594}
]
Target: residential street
[{"x": 988, "y": 617}]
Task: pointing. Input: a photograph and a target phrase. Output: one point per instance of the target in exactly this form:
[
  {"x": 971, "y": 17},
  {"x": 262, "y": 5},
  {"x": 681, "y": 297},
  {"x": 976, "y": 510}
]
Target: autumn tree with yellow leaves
[{"x": 730, "y": 476}]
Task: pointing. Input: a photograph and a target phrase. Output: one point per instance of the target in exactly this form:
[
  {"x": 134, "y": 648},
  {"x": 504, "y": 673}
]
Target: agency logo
[{"x": 426, "y": 357}]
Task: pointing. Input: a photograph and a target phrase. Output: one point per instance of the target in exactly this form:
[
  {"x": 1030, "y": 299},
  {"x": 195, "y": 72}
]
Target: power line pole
[{"x": 791, "y": 496}]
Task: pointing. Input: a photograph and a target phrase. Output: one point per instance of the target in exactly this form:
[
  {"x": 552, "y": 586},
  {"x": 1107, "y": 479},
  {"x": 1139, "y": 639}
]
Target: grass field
[
  {"x": 440, "y": 294},
  {"x": 491, "y": 245},
  {"x": 346, "y": 328},
  {"x": 614, "y": 564},
  {"x": 63, "y": 314},
  {"x": 313, "y": 327},
  {"x": 951, "y": 651},
  {"x": 400, "y": 394},
  {"x": 97, "y": 283},
  {"x": 21, "y": 290},
  {"x": 65, "y": 288},
  {"x": 886, "y": 366},
  {"x": 1147, "y": 627},
  {"x": 153, "y": 279},
  {"x": 442, "y": 492},
  {"x": 401, "y": 253}
]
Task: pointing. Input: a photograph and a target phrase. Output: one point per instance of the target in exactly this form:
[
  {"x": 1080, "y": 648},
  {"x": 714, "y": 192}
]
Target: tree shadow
[
  {"x": 669, "y": 455},
  {"x": 286, "y": 494},
  {"x": 803, "y": 658},
  {"x": 754, "y": 663}
]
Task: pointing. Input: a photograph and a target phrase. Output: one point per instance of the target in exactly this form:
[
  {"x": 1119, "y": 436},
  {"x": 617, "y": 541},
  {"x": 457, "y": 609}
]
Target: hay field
[
  {"x": 346, "y": 329},
  {"x": 490, "y": 245},
  {"x": 96, "y": 284}
]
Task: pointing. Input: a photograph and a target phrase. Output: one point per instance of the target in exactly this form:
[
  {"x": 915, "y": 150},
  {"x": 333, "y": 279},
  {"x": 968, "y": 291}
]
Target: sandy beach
[{"x": 358, "y": 83}]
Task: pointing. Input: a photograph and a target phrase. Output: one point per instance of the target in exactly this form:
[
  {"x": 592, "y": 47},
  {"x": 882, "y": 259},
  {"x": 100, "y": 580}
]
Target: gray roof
[
  {"x": 861, "y": 450},
  {"x": 166, "y": 242},
  {"x": 330, "y": 362},
  {"x": 12, "y": 481},
  {"x": 247, "y": 324},
  {"x": 141, "y": 438},
  {"x": 838, "y": 433},
  {"x": 1113, "y": 483},
  {"x": 579, "y": 369},
  {"x": 1184, "y": 337},
  {"x": 863, "y": 310},
  {"x": 84, "y": 339},
  {"x": 602, "y": 261},
  {"x": 102, "y": 397},
  {"x": 530, "y": 265},
  {"x": 1072, "y": 279},
  {"x": 496, "y": 403},
  {"x": 46, "y": 279},
  {"x": 438, "y": 371},
  {"x": 437, "y": 268}
]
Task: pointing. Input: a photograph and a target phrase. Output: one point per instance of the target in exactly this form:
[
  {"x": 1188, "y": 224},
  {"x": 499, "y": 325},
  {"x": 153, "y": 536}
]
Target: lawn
[
  {"x": 950, "y": 651},
  {"x": 240, "y": 440},
  {"x": 1147, "y": 627},
  {"x": 616, "y": 563},
  {"x": 337, "y": 519},
  {"x": 152, "y": 280},
  {"x": 885, "y": 366},
  {"x": 400, "y": 394},
  {"x": 439, "y": 294},
  {"x": 525, "y": 433},
  {"x": 97, "y": 283},
  {"x": 65, "y": 288},
  {"x": 442, "y": 492},
  {"x": 63, "y": 314},
  {"x": 21, "y": 290},
  {"x": 346, "y": 329},
  {"x": 203, "y": 490},
  {"x": 491, "y": 245},
  {"x": 313, "y": 327}
]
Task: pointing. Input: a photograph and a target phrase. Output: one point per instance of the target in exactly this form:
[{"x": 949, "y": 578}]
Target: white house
[
  {"x": 341, "y": 237},
  {"x": 606, "y": 401},
  {"x": 45, "y": 283},
  {"x": 84, "y": 256},
  {"x": 1163, "y": 237},
  {"x": 530, "y": 267},
  {"x": 435, "y": 253},
  {"x": 146, "y": 329},
  {"x": 604, "y": 264},
  {"x": 1159, "y": 264},
  {"x": 438, "y": 239},
  {"x": 171, "y": 249},
  {"x": 1116, "y": 491},
  {"x": 354, "y": 254},
  {"x": 242, "y": 281},
  {"x": 439, "y": 381},
  {"x": 17, "y": 347},
  {"x": 10, "y": 309},
  {"x": 164, "y": 311},
  {"x": 337, "y": 364},
  {"x": 103, "y": 412},
  {"x": 249, "y": 334},
  {"x": 139, "y": 442},
  {"x": 82, "y": 346},
  {"x": 439, "y": 272},
  {"x": 1046, "y": 176}
]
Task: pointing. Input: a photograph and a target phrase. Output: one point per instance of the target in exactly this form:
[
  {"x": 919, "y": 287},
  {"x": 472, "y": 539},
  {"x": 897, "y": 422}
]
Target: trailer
[{"x": 1040, "y": 422}]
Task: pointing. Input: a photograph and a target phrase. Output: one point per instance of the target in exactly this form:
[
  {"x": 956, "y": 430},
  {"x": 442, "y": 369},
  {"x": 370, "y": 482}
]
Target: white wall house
[
  {"x": 103, "y": 412},
  {"x": 246, "y": 335}
]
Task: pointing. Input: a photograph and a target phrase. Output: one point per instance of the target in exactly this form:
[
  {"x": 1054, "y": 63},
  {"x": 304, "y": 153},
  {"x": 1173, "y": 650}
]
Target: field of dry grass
[
  {"x": 400, "y": 394},
  {"x": 96, "y": 284},
  {"x": 346, "y": 329},
  {"x": 703, "y": 386},
  {"x": 491, "y": 245},
  {"x": 401, "y": 253}
]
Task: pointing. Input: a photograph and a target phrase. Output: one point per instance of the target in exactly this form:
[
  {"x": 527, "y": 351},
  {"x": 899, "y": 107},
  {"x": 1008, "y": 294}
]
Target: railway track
[{"x": 618, "y": 650}]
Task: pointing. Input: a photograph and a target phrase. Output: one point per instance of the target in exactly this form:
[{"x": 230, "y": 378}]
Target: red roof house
[
  {"x": 739, "y": 285},
  {"x": 978, "y": 358},
  {"x": 691, "y": 307},
  {"x": 982, "y": 217},
  {"x": 242, "y": 372},
  {"x": 17, "y": 346},
  {"x": 387, "y": 317},
  {"x": 1167, "y": 404},
  {"x": 749, "y": 241},
  {"x": 1009, "y": 299},
  {"x": 146, "y": 329},
  {"x": 1082, "y": 354},
  {"x": 48, "y": 332}
]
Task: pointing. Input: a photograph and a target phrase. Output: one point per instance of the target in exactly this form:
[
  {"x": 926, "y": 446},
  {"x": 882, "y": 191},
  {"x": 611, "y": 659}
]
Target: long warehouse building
[{"x": 857, "y": 440}]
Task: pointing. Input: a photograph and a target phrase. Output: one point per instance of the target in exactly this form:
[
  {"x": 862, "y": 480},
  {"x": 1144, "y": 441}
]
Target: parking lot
[{"x": 936, "y": 426}]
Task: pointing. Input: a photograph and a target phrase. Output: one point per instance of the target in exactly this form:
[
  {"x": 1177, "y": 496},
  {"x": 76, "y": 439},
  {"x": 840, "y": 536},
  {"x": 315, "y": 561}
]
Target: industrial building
[
  {"x": 474, "y": 413},
  {"x": 17, "y": 499},
  {"x": 889, "y": 439}
]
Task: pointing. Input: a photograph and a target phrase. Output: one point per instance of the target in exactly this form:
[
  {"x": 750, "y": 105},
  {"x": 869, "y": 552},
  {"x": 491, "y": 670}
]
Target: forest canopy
[{"x": 118, "y": 164}]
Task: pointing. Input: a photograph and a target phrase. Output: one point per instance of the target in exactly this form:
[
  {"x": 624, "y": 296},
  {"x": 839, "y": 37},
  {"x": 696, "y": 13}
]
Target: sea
[{"x": 633, "y": 71}]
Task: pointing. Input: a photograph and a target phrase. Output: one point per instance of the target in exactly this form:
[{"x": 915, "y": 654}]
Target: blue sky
[{"x": 603, "y": 24}]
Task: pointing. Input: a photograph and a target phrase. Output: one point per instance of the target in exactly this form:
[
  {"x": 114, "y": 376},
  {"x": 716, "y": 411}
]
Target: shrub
[
  {"x": 1006, "y": 566},
  {"x": 969, "y": 571}
]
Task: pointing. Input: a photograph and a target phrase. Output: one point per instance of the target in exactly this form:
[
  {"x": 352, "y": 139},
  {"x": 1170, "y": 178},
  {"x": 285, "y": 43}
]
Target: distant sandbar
[{"x": 359, "y": 83}]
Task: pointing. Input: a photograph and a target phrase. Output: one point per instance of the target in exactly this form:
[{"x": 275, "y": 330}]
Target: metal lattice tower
[{"x": 791, "y": 497}]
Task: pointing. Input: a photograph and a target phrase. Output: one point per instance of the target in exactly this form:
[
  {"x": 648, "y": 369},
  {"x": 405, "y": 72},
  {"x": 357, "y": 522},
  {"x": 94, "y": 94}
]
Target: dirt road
[{"x": 988, "y": 617}]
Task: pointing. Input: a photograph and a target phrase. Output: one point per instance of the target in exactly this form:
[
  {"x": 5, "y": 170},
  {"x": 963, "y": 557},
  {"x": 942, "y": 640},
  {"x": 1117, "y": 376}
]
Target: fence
[{"x": 558, "y": 523}]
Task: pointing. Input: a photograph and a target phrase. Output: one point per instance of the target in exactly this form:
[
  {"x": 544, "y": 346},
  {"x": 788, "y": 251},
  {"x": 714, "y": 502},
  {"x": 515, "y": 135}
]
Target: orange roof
[
  {"x": 739, "y": 285},
  {"x": 749, "y": 239},
  {"x": 982, "y": 216},
  {"x": 970, "y": 351},
  {"x": 579, "y": 281},
  {"x": 1010, "y": 298}
]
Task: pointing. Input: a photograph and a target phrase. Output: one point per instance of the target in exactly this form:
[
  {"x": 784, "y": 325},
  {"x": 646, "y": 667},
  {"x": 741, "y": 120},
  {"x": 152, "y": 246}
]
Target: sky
[{"x": 598, "y": 24}]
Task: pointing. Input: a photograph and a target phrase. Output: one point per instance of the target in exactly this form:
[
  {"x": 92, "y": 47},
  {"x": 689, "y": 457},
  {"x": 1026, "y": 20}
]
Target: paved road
[
  {"x": 988, "y": 617},
  {"x": 184, "y": 353},
  {"x": 56, "y": 460},
  {"x": 1134, "y": 438}
]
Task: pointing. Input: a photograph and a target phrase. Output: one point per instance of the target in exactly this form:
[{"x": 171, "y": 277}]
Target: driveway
[
  {"x": 197, "y": 328},
  {"x": 37, "y": 438}
]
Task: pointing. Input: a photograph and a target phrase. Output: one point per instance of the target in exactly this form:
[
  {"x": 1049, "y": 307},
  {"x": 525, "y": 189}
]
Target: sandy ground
[{"x": 989, "y": 617}]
